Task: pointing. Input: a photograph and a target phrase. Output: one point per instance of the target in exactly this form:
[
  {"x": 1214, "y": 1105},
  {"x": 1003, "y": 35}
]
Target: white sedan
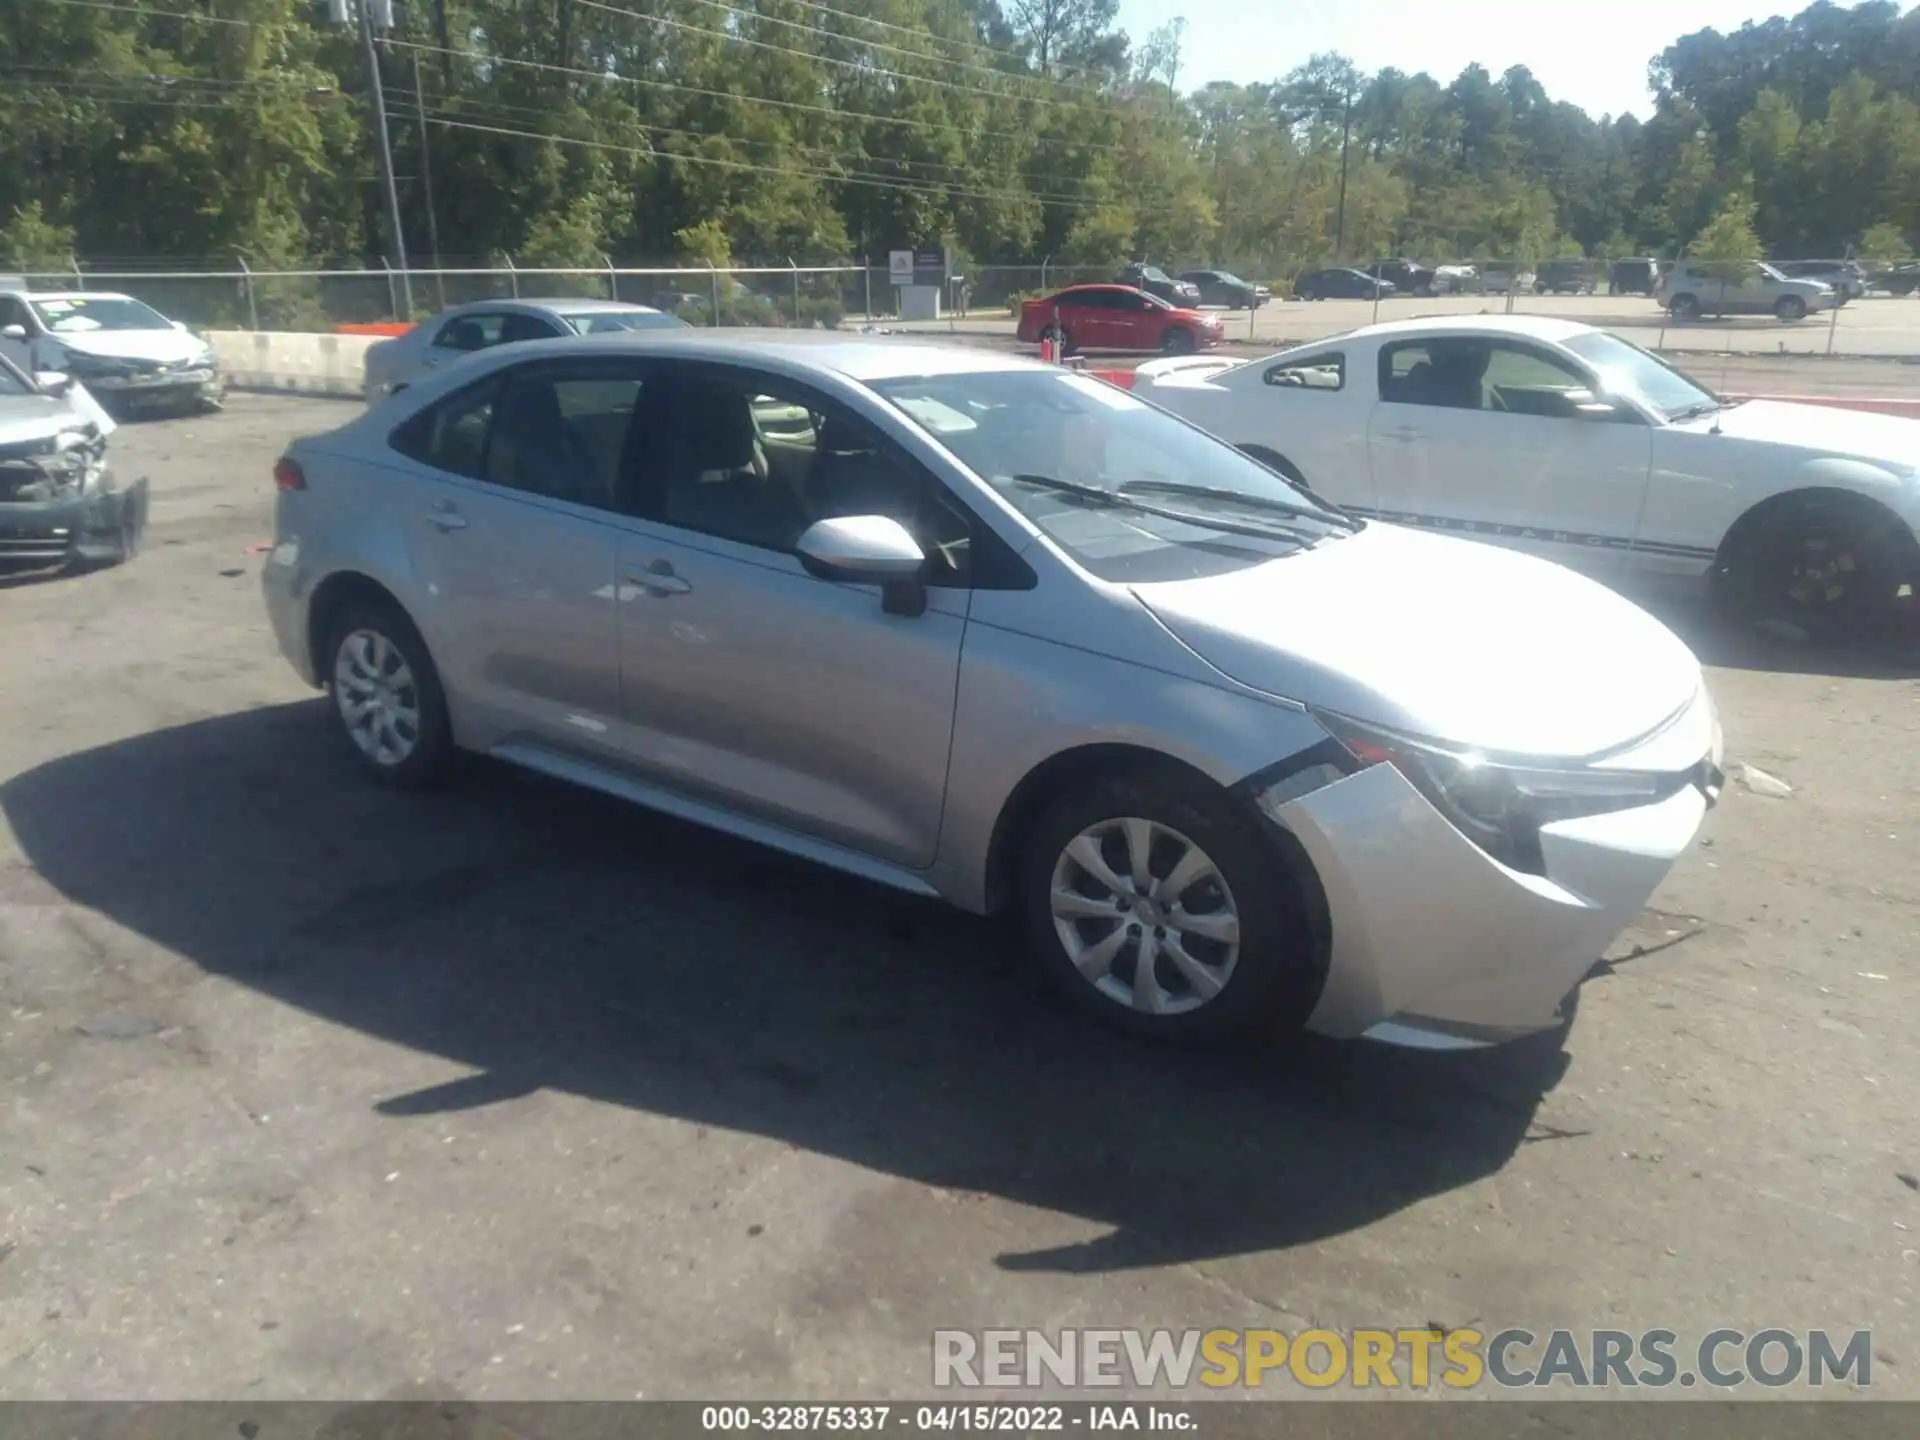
[
  {"x": 1570, "y": 443},
  {"x": 392, "y": 365}
]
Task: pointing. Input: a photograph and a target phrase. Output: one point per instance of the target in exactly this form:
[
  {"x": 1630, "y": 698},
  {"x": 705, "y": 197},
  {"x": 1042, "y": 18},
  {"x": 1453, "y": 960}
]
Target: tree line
[{"x": 714, "y": 131}]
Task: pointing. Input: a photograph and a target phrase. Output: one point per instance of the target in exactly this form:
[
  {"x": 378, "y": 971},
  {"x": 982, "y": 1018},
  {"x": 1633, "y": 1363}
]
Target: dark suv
[
  {"x": 1155, "y": 281},
  {"x": 1633, "y": 277},
  {"x": 1565, "y": 277}
]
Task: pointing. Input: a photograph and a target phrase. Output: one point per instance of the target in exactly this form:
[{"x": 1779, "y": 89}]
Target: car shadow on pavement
[
  {"x": 552, "y": 938},
  {"x": 1720, "y": 641}
]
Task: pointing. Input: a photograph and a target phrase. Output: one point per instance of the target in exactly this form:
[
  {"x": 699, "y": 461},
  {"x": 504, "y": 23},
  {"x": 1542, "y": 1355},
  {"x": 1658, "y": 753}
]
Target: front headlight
[{"x": 1500, "y": 806}]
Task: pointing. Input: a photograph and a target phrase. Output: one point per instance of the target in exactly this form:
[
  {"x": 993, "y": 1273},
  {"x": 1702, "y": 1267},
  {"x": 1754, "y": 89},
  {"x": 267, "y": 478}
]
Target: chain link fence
[{"x": 1622, "y": 296}]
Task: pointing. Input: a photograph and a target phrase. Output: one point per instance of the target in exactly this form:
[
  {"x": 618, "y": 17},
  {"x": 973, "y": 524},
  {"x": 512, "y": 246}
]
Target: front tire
[
  {"x": 1177, "y": 342},
  {"x": 388, "y": 705},
  {"x": 1830, "y": 567},
  {"x": 1790, "y": 308},
  {"x": 1161, "y": 908}
]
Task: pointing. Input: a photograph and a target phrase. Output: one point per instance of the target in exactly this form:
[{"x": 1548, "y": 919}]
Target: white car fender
[{"x": 82, "y": 400}]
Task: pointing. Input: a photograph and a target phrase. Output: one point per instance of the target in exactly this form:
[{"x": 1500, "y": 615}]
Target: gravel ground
[{"x": 315, "y": 1091}]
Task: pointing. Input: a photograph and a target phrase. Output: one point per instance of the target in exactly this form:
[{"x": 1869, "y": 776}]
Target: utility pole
[
  {"x": 426, "y": 183},
  {"x": 379, "y": 96},
  {"x": 1340, "y": 220}
]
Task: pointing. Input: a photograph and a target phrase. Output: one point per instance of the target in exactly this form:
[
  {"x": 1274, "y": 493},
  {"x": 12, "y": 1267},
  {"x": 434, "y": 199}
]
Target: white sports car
[{"x": 1569, "y": 442}]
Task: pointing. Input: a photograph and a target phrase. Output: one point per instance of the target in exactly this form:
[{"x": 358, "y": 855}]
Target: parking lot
[
  {"x": 1878, "y": 326},
  {"x": 316, "y": 1090}
]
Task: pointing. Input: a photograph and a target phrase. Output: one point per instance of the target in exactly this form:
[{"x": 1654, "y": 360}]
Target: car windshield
[
  {"x": 73, "y": 314},
  {"x": 604, "y": 322},
  {"x": 1626, "y": 367},
  {"x": 1771, "y": 273},
  {"x": 1131, "y": 492}
]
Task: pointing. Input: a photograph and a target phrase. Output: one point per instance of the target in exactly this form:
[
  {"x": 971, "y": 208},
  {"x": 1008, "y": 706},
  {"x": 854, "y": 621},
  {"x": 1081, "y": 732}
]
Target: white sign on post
[{"x": 900, "y": 266}]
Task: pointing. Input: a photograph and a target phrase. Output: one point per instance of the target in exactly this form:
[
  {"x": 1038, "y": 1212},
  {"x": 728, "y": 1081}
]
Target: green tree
[
  {"x": 29, "y": 241},
  {"x": 1885, "y": 243}
]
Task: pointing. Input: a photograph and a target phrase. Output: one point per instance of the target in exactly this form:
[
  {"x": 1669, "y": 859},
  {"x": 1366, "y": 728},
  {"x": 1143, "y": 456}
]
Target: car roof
[
  {"x": 557, "y": 304},
  {"x": 857, "y": 357},
  {"x": 1531, "y": 327},
  {"x": 68, "y": 294}
]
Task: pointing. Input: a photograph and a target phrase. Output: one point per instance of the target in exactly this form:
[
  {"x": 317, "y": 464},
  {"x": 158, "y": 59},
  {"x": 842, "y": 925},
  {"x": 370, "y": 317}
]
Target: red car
[{"x": 1116, "y": 317}]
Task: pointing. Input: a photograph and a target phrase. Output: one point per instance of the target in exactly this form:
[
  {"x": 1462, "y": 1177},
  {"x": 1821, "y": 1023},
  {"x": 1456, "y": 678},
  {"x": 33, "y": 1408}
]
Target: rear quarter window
[{"x": 451, "y": 433}]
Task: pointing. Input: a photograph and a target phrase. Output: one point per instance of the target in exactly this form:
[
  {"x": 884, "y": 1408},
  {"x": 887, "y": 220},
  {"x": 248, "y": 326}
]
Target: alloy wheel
[
  {"x": 1145, "y": 916},
  {"x": 378, "y": 698}
]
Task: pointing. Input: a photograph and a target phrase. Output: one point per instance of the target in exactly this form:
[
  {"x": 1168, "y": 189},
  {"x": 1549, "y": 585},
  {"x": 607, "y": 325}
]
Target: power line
[
  {"x": 804, "y": 28},
  {"x": 909, "y": 30},
  {"x": 925, "y": 189},
  {"x": 814, "y": 154},
  {"x": 152, "y": 12},
  {"x": 868, "y": 70},
  {"x": 905, "y": 122},
  {"x": 679, "y": 87}
]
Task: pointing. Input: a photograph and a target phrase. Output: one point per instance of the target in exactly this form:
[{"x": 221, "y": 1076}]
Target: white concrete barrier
[{"x": 302, "y": 364}]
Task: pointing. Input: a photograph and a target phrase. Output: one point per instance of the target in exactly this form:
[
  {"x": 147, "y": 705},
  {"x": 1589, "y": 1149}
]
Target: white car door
[{"x": 1481, "y": 435}]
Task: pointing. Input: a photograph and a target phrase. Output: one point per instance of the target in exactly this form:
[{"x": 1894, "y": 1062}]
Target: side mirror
[
  {"x": 1588, "y": 406},
  {"x": 868, "y": 550},
  {"x": 15, "y": 331},
  {"x": 53, "y": 382}
]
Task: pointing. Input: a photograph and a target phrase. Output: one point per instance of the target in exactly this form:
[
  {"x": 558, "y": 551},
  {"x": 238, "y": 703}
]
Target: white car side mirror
[
  {"x": 13, "y": 332},
  {"x": 53, "y": 382}
]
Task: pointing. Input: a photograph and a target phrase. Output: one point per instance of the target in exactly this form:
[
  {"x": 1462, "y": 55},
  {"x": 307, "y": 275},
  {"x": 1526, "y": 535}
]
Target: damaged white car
[{"x": 59, "y": 502}]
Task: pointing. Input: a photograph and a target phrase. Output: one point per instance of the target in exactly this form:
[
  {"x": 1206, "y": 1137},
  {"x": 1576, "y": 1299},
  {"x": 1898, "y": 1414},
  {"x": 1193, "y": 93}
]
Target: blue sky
[{"x": 1594, "y": 55}]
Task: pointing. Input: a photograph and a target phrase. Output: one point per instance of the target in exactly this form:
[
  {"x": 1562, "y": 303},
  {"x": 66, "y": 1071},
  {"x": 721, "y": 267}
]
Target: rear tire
[
  {"x": 388, "y": 706},
  {"x": 1228, "y": 939},
  {"x": 1684, "y": 307},
  {"x": 1062, "y": 342}
]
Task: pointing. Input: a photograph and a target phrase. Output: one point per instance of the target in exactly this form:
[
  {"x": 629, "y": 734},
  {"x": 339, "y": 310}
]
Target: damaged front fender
[{"x": 1430, "y": 933}]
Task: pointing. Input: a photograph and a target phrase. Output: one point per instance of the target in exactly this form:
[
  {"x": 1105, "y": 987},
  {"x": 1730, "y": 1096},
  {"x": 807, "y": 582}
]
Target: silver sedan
[
  {"x": 392, "y": 365},
  {"x": 1000, "y": 633}
]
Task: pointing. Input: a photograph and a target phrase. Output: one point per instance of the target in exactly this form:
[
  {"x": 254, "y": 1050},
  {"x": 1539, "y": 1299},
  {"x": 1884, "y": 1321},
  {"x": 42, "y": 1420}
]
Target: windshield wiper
[
  {"x": 1098, "y": 496},
  {"x": 1331, "y": 515},
  {"x": 1694, "y": 412}
]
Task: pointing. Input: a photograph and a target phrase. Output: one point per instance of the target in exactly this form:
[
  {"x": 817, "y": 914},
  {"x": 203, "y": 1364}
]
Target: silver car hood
[
  {"x": 162, "y": 345},
  {"x": 25, "y": 418},
  {"x": 1448, "y": 639}
]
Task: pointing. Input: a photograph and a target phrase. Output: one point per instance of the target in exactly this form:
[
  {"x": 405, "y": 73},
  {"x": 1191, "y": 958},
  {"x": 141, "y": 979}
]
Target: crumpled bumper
[
  {"x": 104, "y": 524},
  {"x": 1434, "y": 942},
  {"x": 204, "y": 384}
]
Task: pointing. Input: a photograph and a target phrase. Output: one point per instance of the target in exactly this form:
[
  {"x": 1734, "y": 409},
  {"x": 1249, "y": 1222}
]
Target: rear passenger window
[
  {"x": 1314, "y": 372},
  {"x": 562, "y": 432},
  {"x": 452, "y": 434}
]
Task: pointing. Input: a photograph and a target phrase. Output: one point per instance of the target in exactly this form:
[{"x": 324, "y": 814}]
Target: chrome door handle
[
  {"x": 1405, "y": 434},
  {"x": 446, "y": 517},
  {"x": 659, "y": 580}
]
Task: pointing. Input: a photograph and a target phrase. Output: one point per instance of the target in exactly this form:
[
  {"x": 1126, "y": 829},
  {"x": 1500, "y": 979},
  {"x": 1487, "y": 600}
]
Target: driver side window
[{"x": 749, "y": 459}]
